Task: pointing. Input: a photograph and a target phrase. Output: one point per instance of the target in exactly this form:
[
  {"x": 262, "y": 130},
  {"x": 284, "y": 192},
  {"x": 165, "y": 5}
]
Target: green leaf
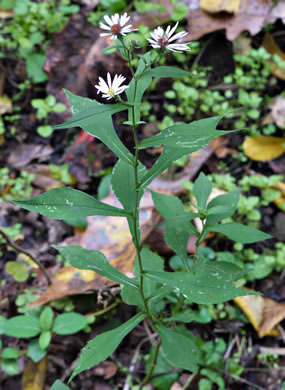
[
  {"x": 229, "y": 203},
  {"x": 123, "y": 183},
  {"x": 184, "y": 316},
  {"x": 179, "y": 349},
  {"x": 46, "y": 318},
  {"x": 58, "y": 385},
  {"x": 167, "y": 205},
  {"x": 22, "y": 326},
  {"x": 166, "y": 71},
  {"x": 95, "y": 261},
  {"x": 177, "y": 225},
  {"x": 202, "y": 189},
  {"x": 68, "y": 323},
  {"x": 44, "y": 339},
  {"x": 91, "y": 115},
  {"x": 208, "y": 282},
  {"x": 102, "y": 128},
  {"x": 2, "y": 324},
  {"x": 35, "y": 352},
  {"x": 240, "y": 233},
  {"x": 10, "y": 353},
  {"x": 104, "y": 345},
  {"x": 65, "y": 202},
  {"x": 10, "y": 366},
  {"x": 180, "y": 139},
  {"x": 189, "y": 136}
]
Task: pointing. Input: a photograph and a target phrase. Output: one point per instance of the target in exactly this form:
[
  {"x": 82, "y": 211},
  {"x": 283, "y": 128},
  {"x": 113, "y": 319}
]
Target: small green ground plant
[
  {"x": 27, "y": 33},
  {"x": 44, "y": 107},
  {"x": 152, "y": 289},
  {"x": 42, "y": 325}
]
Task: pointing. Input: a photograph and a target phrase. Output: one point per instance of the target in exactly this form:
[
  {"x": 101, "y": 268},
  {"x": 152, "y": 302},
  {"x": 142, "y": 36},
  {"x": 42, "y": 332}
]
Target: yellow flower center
[{"x": 111, "y": 92}]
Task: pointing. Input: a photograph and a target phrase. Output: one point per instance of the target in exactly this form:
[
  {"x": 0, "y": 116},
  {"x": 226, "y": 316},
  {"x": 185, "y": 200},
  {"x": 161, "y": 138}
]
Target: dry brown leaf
[
  {"x": 72, "y": 281},
  {"x": 277, "y": 12},
  {"x": 107, "y": 369},
  {"x": 263, "y": 313},
  {"x": 34, "y": 375},
  {"x": 23, "y": 154},
  {"x": 90, "y": 3},
  {"x": 277, "y": 107},
  {"x": 6, "y": 13},
  {"x": 5, "y": 105},
  {"x": 271, "y": 46},
  {"x": 176, "y": 386},
  {"x": 263, "y": 148},
  {"x": 213, "y": 6},
  {"x": 252, "y": 16}
]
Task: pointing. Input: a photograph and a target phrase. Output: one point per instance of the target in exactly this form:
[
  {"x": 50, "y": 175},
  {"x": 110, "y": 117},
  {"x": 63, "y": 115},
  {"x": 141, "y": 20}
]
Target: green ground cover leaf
[
  {"x": 23, "y": 326},
  {"x": 69, "y": 323}
]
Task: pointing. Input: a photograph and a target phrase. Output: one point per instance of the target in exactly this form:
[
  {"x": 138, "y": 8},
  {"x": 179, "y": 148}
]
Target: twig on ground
[{"x": 134, "y": 359}]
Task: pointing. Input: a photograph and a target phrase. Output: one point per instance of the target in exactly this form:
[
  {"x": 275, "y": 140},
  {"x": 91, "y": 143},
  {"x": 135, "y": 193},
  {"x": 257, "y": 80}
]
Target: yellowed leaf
[
  {"x": 34, "y": 375},
  {"x": 5, "y": 104},
  {"x": 263, "y": 148},
  {"x": 22, "y": 257},
  {"x": 71, "y": 281},
  {"x": 263, "y": 313},
  {"x": 213, "y": 6},
  {"x": 271, "y": 46}
]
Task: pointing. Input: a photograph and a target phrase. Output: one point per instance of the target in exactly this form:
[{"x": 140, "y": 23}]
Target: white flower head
[
  {"x": 111, "y": 88},
  {"x": 163, "y": 39},
  {"x": 116, "y": 25}
]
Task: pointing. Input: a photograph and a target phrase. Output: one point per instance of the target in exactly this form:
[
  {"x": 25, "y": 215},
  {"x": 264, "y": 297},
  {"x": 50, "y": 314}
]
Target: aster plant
[{"x": 152, "y": 288}]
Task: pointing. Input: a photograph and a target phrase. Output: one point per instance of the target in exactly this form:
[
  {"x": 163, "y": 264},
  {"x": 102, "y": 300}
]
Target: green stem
[
  {"x": 136, "y": 208},
  {"x": 178, "y": 304},
  {"x": 153, "y": 364}
]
